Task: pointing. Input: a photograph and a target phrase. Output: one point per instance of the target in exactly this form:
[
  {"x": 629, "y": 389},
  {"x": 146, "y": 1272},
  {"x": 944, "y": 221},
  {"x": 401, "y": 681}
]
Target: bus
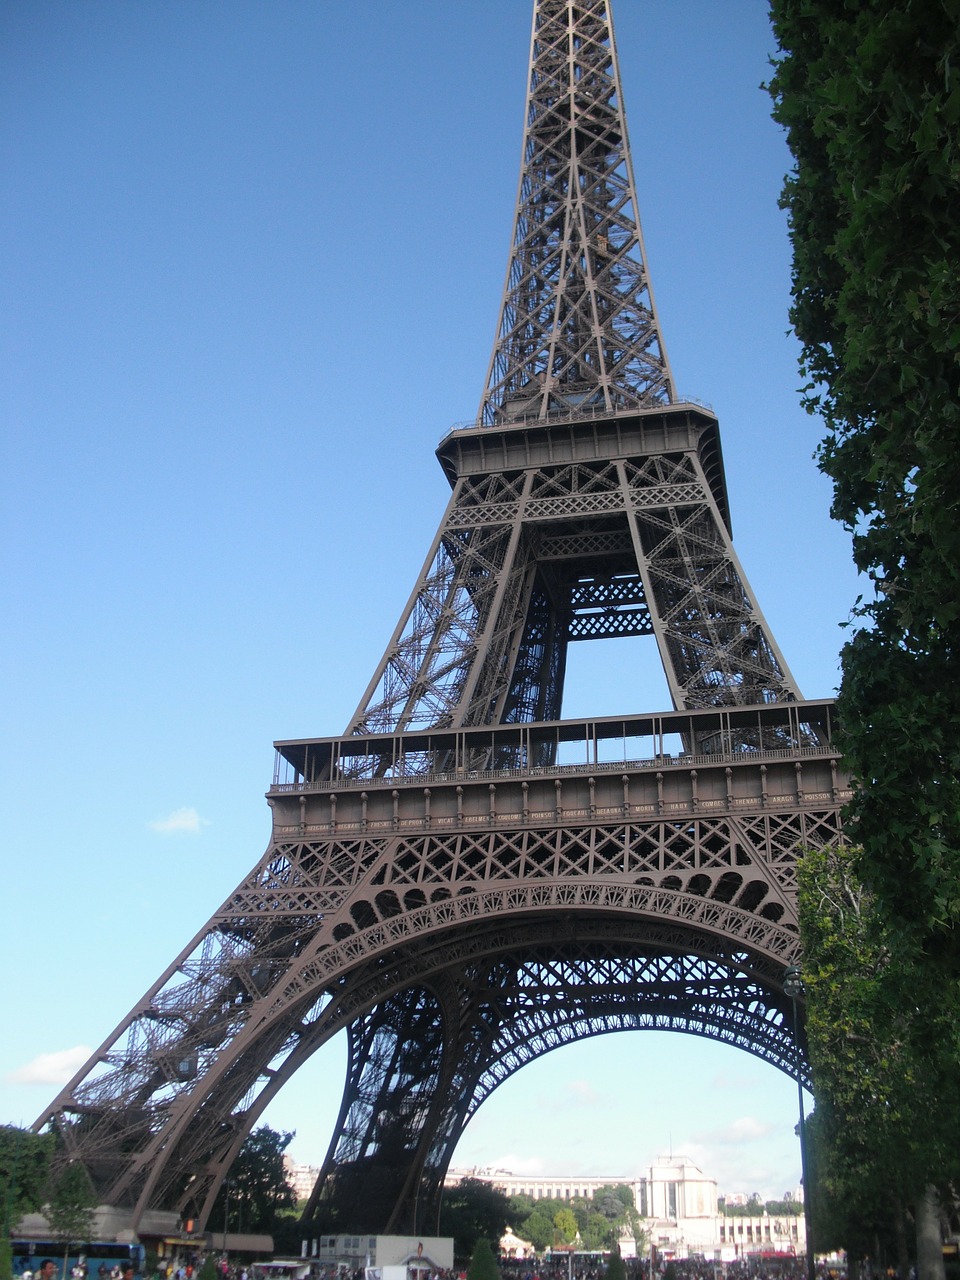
[{"x": 96, "y": 1261}]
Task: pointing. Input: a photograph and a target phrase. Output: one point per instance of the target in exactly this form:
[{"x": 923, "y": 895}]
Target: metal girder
[
  {"x": 483, "y": 638},
  {"x": 501, "y": 1013},
  {"x": 578, "y": 325}
]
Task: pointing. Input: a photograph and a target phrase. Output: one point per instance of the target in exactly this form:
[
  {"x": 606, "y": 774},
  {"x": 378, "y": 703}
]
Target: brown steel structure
[{"x": 465, "y": 881}]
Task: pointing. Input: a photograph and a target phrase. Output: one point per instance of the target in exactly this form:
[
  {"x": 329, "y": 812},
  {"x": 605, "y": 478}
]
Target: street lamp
[{"x": 793, "y": 987}]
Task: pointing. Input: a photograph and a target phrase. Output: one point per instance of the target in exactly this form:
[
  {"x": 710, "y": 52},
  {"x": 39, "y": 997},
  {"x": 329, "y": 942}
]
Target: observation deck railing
[
  {"x": 662, "y": 741},
  {"x": 584, "y": 413}
]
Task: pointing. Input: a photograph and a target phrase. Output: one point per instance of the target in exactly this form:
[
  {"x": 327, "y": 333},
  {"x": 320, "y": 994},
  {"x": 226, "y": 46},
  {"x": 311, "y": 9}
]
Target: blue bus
[{"x": 96, "y": 1261}]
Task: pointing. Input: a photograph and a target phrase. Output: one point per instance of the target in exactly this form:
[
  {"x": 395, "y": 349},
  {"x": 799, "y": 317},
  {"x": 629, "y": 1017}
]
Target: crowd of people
[
  {"x": 695, "y": 1268},
  {"x": 692, "y": 1268},
  {"x": 49, "y": 1269}
]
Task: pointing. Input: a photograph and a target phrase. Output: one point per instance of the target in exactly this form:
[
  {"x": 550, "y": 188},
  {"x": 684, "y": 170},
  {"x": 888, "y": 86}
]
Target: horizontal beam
[{"x": 671, "y": 739}]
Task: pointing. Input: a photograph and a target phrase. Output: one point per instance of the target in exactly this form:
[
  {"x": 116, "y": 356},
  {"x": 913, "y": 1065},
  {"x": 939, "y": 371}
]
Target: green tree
[
  {"x": 870, "y": 98},
  {"x": 471, "y": 1210},
  {"x": 615, "y": 1268},
  {"x": 884, "y": 1066},
  {"x": 783, "y": 1208},
  {"x": 611, "y": 1208},
  {"x": 538, "y": 1229},
  {"x": 565, "y": 1222},
  {"x": 611, "y": 1202},
  {"x": 599, "y": 1233},
  {"x": 288, "y": 1233},
  {"x": 256, "y": 1189},
  {"x": 70, "y": 1206},
  {"x": 521, "y": 1207},
  {"x": 483, "y": 1264},
  {"x": 630, "y": 1217},
  {"x": 840, "y": 1220},
  {"x": 24, "y": 1171}
]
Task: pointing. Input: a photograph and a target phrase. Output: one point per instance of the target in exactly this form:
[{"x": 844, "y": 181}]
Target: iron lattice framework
[
  {"x": 578, "y": 325},
  {"x": 465, "y": 881},
  {"x": 559, "y": 531}
]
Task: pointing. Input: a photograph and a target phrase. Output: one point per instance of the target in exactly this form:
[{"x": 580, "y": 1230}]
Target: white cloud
[
  {"x": 180, "y": 822},
  {"x": 50, "y": 1068},
  {"x": 580, "y": 1093},
  {"x": 727, "y": 1080},
  {"x": 746, "y": 1129}
]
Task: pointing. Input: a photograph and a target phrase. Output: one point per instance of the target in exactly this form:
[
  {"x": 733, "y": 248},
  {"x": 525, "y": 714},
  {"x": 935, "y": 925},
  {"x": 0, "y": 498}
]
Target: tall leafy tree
[
  {"x": 615, "y": 1267},
  {"x": 869, "y": 93},
  {"x": 538, "y": 1229},
  {"x": 611, "y": 1208},
  {"x": 565, "y": 1223},
  {"x": 885, "y": 1066},
  {"x": 521, "y": 1206},
  {"x": 483, "y": 1263},
  {"x": 70, "y": 1208},
  {"x": 471, "y": 1210},
  {"x": 24, "y": 1170},
  {"x": 256, "y": 1190}
]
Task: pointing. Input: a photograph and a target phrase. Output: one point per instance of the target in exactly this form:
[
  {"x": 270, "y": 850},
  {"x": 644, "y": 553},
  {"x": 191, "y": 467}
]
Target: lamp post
[{"x": 793, "y": 987}]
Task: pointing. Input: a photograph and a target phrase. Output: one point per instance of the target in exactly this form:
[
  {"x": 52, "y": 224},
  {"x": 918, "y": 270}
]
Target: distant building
[
  {"x": 669, "y": 1188},
  {"x": 678, "y": 1205},
  {"x": 539, "y": 1187},
  {"x": 302, "y": 1177},
  {"x": 769, "y": 1233}
]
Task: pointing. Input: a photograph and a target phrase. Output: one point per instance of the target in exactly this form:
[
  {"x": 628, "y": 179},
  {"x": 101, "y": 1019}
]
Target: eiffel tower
[{"x": 463, "y": 880}]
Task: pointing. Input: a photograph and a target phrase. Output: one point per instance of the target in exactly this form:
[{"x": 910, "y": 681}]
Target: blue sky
[{"x": 252, "y": 264}]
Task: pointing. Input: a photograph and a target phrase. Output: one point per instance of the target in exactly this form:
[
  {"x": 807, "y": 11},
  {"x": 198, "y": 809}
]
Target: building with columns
[{"x": 677, "y": 1203}]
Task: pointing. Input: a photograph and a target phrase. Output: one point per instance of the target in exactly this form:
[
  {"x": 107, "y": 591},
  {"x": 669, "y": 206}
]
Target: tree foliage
[
  {"x": 537, "y": 1227},
  {"x": 256, "y": 1189},
  {"x": 754, "y": 1207},
  {"x": 869, "y": 93},
  {"x": 785, "y": 1208},
  {"x": 598, "y": 1231},
  {"x": 619, "y": 1208},
  {"x": 483, "y": 1264},
  {"x": 598, "y": 1220},
  {"x": 565, "y": 1222},
  {"x": 70, "y": 1205},
  {"x": 471, "y": 1210},
  {"x": 884, "y": 1061},
  {"x": 24, "y": 1170},
  {"x": 6, "y": 1257},
  {"x": 615, "y": 1267}
]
